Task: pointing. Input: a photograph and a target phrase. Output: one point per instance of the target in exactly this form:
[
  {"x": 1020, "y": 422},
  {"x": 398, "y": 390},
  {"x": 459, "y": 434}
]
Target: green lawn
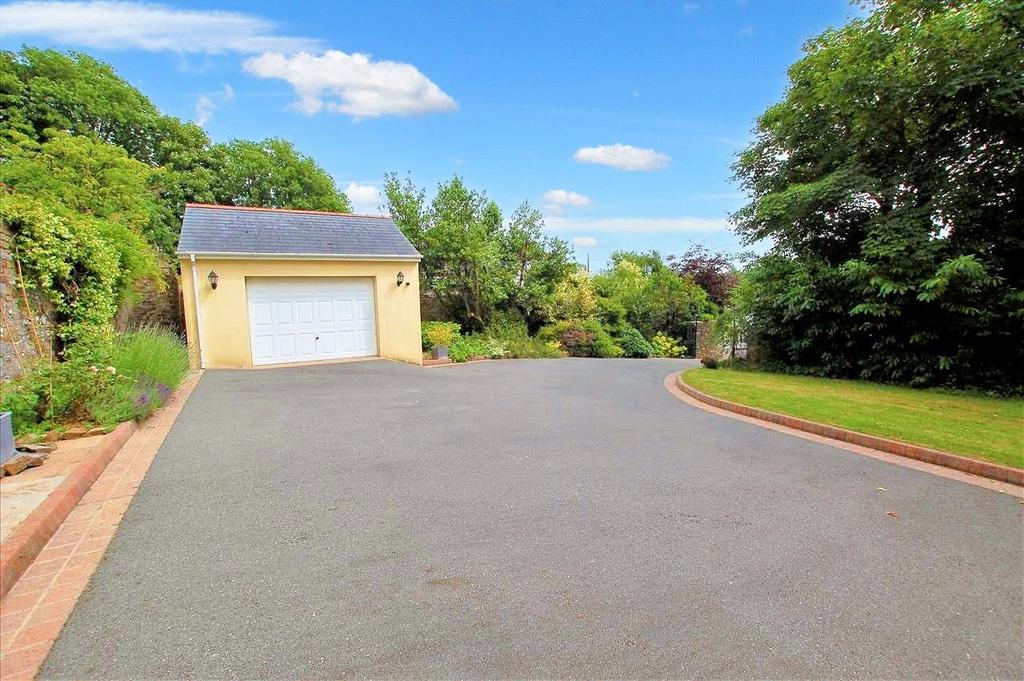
[{"x": 986, "y": 428}]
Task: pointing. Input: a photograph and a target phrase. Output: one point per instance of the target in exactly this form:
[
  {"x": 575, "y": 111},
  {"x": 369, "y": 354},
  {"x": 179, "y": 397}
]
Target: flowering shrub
[
  {"x": 666, "y": 346},
  {"x": 136, "y": 376},
  {"x": 435, "y": 334}
]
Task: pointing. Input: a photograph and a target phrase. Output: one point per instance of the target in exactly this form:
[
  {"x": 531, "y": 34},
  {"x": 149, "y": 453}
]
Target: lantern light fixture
[
  {"x": 400, "y": 278},
  {"x": 212, "y": 276}
]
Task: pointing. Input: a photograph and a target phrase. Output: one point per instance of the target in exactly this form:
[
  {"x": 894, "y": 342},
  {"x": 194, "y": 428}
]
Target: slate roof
[{"x": 208, "y": 229}]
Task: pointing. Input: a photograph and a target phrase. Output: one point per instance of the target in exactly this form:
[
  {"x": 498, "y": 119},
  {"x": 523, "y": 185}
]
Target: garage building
[{"x": 277, "y": 286}]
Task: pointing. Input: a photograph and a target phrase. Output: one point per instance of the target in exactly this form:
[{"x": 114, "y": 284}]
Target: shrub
[
  {"x": 532, "y": 348},
  {"x": 22, "y": 401},
  {"x": 152, "y": 352},
  {"x": 434, "y": 334},
  {"x": 136, "y": 376},
  {"x": 149, "y": 364},
  {"x": 709, "y": 362},
  {"x": 634, "y": 344},
  {"x": 465, "y": 347},
  {"x": 666, "y": 346},
  {"x": 581, "y": 338},
  {"x": 506, "y": 325}
]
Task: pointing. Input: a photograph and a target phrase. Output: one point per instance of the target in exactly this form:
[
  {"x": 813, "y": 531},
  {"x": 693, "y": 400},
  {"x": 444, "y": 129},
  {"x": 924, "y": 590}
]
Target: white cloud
[
  {"x": 637, "y": 225},
  {"x": 584, "y": 242},
  {"x": 207, "y": 103},
  {"x": 623, "y": 157},
  {"x": 353, "y": 84},
  {"x": 146, "y": 26},
  {"x": 689, "y": 7},
  {"x": 365, "y": 198},
  {"x": 746, "y": 30},
  {"x": 564, "y": 197},
  {"x": 204, "y": 110}
]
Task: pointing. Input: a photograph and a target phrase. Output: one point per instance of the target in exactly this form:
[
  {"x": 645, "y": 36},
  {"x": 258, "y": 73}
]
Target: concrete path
[{"x": 534, "y": 519}]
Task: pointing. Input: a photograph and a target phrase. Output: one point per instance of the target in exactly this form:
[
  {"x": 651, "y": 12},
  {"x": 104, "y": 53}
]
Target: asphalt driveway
[{"x": 534, "y": 519}]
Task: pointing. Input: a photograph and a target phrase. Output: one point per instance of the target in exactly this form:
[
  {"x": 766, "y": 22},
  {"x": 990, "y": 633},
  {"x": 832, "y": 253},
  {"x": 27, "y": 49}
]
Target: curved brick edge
[
  {"x": 985, "y": 469},
  {"x": 26, "y": 541}
]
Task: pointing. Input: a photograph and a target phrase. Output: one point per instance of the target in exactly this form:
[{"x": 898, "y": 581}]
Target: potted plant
[{"x": 437, "y": 336}]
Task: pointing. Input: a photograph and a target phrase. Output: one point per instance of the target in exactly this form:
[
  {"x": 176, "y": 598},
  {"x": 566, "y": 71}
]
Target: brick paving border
[
  {"x": 900, "y": 455},
  {"x": 35, "y": 609},
  {"x": 21, "y": 547}
]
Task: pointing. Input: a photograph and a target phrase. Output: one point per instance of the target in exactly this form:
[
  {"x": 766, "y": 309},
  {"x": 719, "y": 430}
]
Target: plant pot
[{"x": 439, "y": 352}]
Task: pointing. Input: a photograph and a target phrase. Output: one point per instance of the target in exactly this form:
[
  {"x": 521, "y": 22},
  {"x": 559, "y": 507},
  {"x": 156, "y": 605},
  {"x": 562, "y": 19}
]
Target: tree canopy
[
  {"x": 473, "y": 261},
  {"x": 45, "y": 95},
  {"x": 889, "y": 182}
]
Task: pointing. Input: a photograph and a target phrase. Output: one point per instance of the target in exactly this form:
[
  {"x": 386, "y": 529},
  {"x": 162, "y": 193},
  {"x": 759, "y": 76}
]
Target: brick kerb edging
[
  {"x": 26, "y": 541},
  {"x": 984, "y": 469}
]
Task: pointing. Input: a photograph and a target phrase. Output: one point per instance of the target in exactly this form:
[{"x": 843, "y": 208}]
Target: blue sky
[{"x": 618, "y": 119}]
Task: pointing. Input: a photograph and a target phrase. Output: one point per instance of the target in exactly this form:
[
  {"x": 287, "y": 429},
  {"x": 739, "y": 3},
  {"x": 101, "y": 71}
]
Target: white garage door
[{"x": 308, "y": 319}]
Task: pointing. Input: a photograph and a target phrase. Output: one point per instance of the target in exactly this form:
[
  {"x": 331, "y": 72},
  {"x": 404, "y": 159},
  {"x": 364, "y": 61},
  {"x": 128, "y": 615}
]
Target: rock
[
  {"x": 51, "y": 436},
  {"x": 98, "y": 430},
  {"x": 25, "y": 440},
  {"x": 74, "y": 432},
  {"x": 15, "y": 465},
  {"x": 33, "y": 460},
  {"x": 41, "y": 448}
]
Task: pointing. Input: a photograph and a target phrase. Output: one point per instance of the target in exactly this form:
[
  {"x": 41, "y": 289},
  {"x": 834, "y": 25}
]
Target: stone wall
[
  {"x": 25, "y": 332},
  {"x": 431, "y": 309},
  {"x": 153, "y": 307}
]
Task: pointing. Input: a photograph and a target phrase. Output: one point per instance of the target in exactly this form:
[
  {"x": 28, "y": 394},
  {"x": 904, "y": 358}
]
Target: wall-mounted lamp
[
  {"x": 400, "y": 278},
  {"x": 212, "y": 276}
]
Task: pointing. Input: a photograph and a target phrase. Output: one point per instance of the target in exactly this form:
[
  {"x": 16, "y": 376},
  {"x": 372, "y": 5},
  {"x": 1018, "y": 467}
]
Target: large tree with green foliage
[
  {"x": 271, "y": 174},
  {"x": 889, "y": 182},
  {"x": 472, "y": 261}
]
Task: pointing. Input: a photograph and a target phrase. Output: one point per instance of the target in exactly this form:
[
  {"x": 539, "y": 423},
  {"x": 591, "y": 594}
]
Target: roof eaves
[{"x": 227, "y": 255}]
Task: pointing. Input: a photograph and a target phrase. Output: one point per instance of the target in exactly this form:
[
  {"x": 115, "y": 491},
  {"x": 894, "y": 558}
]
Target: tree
[
  {"x": 76, "y": 94},
  {"x": 713, "y": 272},
  {"x": 534, "y": 262},
  {"x": 44, "y": 93},
  {"x": 473, "y": 262},
  {"x": 272, "y": 174},
  {"x": 888, "y": 180},
  {"x": 654, "y": 298},
  {"x": 573, "y": 297}
]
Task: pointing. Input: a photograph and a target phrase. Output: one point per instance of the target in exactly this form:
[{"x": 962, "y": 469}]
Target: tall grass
[{"x": 150, "y": 363}]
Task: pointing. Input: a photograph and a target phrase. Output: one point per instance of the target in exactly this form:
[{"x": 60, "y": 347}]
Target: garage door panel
[
  {"x": 305, "y": 312},
  {"x": 262, "y": 348},
  {"x": 307, "y": 344},
  {"x": 305, "y": 319},
  {"x": 285, "y": 346},
  {"x": 329, "y": 343},
  {"x": 261, "y": 314},
  {"x": 283, "y": 312}
]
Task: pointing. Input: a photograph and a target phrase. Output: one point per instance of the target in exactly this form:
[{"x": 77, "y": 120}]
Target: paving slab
[{"x": 20, "y": 494}]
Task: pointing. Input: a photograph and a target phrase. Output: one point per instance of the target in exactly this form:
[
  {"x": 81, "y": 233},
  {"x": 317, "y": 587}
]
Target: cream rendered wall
[{"x": 225, "y": 312}]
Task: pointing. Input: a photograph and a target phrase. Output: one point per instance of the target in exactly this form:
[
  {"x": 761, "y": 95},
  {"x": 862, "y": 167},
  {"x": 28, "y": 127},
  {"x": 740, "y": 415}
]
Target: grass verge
[{"x": 987, "y": 428}]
